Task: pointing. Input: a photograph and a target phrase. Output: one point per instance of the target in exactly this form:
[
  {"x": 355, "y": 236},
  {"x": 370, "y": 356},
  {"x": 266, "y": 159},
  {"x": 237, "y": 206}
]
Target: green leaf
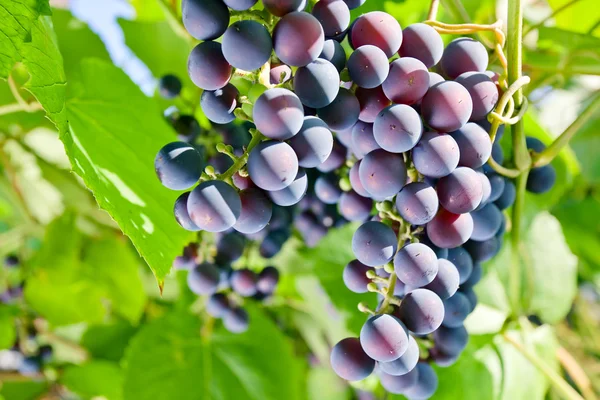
[
  {"x": 568, "y": 39},
  {"x": 8, "y": 330},
  {"x": 115, "y": 133},
  {"x": 579, "y": 17},
  {"x": 108, "y": 341},
  {"x": 324, "y": 384},
  {"x": 95, "y": 379},
  {"x": 23, "y": 390},
  {"x": 168, "y": 360},
  {"x": 586, "y": 144}
]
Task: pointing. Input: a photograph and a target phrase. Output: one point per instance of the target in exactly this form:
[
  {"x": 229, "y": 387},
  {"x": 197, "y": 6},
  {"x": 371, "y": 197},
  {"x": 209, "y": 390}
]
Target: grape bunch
[{"x": 359, "y": 121}]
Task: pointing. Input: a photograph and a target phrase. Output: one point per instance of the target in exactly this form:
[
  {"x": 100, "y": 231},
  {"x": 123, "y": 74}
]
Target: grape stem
[
  {"x": 433, "y": 10},
  {"x": 241, "y": 161},
  {"x": 388, "y": 295}
]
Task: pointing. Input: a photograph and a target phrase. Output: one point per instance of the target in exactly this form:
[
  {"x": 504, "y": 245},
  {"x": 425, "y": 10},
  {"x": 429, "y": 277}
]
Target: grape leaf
[
  {"x": 108, "y": 341},
  {"x": 94, "y": 379}
]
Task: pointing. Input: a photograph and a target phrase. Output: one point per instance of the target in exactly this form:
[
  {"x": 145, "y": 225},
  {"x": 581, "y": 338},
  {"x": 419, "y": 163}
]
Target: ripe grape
[
  {"x": 178, "y": 166},
  {"x": 243, "y": 282},
  {"x": 334, "y": 16},
  {"x": 382, "y": 174},
  {"x": 272, "y": 165},
  {"x": 486, "y": 187},
  {"x": 447, "y": 106},
  {"x": 352, "y": 4},
  {"x": 398, "y": 128},
  {"x": 355, "y": 276},
  {"x": 456, "y": 310},
  {"x": 422, "y": 311},
  {"x": 417, "y": 203},
  {"x": 169, "y": 86},
  {"x": 355, "y": 180},
  {"x": 327, "y": 189},
  {"x": 334, "y": 53},
  {"x": 342, "y": 113},
  {"x": 317, "y": 84},
  {"x": 240, "y": 5},
  {"x": 462, "y": 261},
  {"x": 203, "y": 279},
  {"x": 482, "y": 251},
  {"x": 398, "y": 384},
  {"x": 368, "y": 66},
  {"x": 384, "y": 338},
  {"x": 405, "y": 363},
  {"x": 313, "y": 144},
  {"x": 464, "y": 55},
  {"x": 187, "y": 128},
  {"x": 205, "y": 19},
  {"x": 217, "y": 305},
  {"x": 378, "y": 29},
  {"x": 474, "y": 278},
  {"x": 230, "y": 248},
  {"x": 372, "y": 102},
  {"x": 474, "y": 145},
  {"x": 214, "y": 206},
  {"x": 256, "y": 211},
  {"x": 436, "y": 155},
  {"x": 247, "y": 45},
  {"x": 298, "y": 39},
  {"x": 535, "y": 144},
  {"x": 349, "y": 360},
  {"x": 278, "y": 114},
  {"x": 181, "y": 213},
  {"x": 293, "y": 193},
  {"x": 218, "y": 106},
  {"x": 374, "y": 243},
  {"x": 355, "y": 207},
  {"x": 235, "y": 320},
  {"x": 541, "y": 180},
  {"x": 422, "y": 42},
  {"x": 451, "y": 341},
  {"x": 439, "y": 252},
  {"x": 483, "y": 91},
  {"x": 363, "y": 140},
  {"x": 416, "y": 264},
  {"x": 280, "y": 74},
  {"x": 426, "y": 385},
  {"x": 279, "y": 8},
  {"x": 446, "y": 282},
  {"x": 486, "y": 222},
  {"x": 508, "y": 196},
  {"x": 207, "y": 67},
  {"x": 448, "y": 230},
  {"x": 461, "y": 191},
  {"x": 273, "y": 242},
  {"x": 267, "y": 280},
  {"x": 497, "y": 183},
  {"x": 407, "y": 81}
]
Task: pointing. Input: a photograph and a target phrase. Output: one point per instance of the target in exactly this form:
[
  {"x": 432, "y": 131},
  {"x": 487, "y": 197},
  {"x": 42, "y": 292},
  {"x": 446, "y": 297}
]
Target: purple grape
[
  {"x": 378, "y": 29},
  {"x": 298, "y": 39},
  {"x": 267, "y": 280},
  {"x": 247, "y": 45},
  {"x": 434, "y": 79},
  {"x": 280, "y": 73},
  {"x": 272, "y": 165},
  {"x": 464, "y": 55},
  {"x": 382, "y": 174},
  {"x": 240, "y": 5},
  {"x": 486, "y": 222},
  {"x": 230, "y": 248},
  {"x": 355, "y": 276},
  {"x": 483, "y": 91},
  {"x": 327, "y": 189},
  {"x": 278, "y": 114},
  {"x": 363, "y": 140},
  {"x": 317, "y": 84},
  {"x": 203, "y": 279},
  {"x": 405, "y": 363},
  {"x": 398, "y": 128},
  {"x": 508, "y": 196},
  {"x": 334, "y": 53},
  {"x": 187, "y": 128},
  {"x": 436, "y": 155},
  {"x": 181, "y": 213},
  {"x": 218, "y": 106},
  {"x": 178, "y": 166},
  {"x": 456, "y": 310},
  {"x": 497, "y": 183},
  {"x": 426, "y": 385},
  {"x": 205, "y": 19},
  {"x": 541, "y": 180},
  {"x": 355, "y": 207},
  {"x": 217, "y": 305},
  {"x": 471, "y": 296},
  {"x": 448, "y": 230},
  {"x": 349, "y": 361},
  {"x": 374, "y": 243},
  {"x": 384, "y": 338},
  {"x": 422, "y": 42},
  {"x": 482, "y": 251},
  {"x": 352, "y": 4},
  {"x": 368, "y": 66},
  {"x": 474, "y": 145},
  {"x": 236, "y": 320},
  {"x": 169, "y": 86},
  {"x": 334, "y": 16},
  {"x": 345, "y": 137},
  {"x": 243, "y": 282},
  {"x": 279, "y": 8},
  {"x": 273, "y": 242},
  {"x": 441, "y": 359},
  {"x": 293, "y": 193},
  {"x": 451, "y": 341},
  {"x": 416, "y": 264},
  {"x": 462, "y": 261},
  {"x": 214, "y": 206},
  {"x": 447, "y": 106},
  {"x": 342, "y": 113},
  {"x": 486, "y": 188},
  {"x": 398, "y": 384},
  {"x": 407, "y": 81},
  {"x": 461, "y": 191},
  {"x": 439, "y": 252},
  {"x": 372, "y": 102},
  {"x": 422, "y": 311},
  {"x": 355, "y": 180},
  {"x": 446, "y": 281},
  {"x": 335, "y": 160},
  {"x": 207, "y": 67},
  {"x": 313, "y": 144},
  {"x": 417, "y": 203},
  {"x": 256, "y": 211}
]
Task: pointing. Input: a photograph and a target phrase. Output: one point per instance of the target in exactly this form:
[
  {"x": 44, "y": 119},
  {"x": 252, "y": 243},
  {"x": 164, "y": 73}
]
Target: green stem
[
  {"x": 257, "y": 137},
  {"x": 433, "y": 10},
  {"x": 390, "y": 293},
  {"x": 546, "y": 156}
]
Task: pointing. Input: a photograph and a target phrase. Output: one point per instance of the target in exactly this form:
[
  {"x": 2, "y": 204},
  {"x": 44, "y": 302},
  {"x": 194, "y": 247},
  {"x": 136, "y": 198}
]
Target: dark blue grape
[
  {"x": 273, "y": 242},
  {"x": 327, "y": 189},
  {"x": 486, "y": 222},
  {"x": 471, "y": 296},
  {"x": 474, "y": 278},
  {"x": 355, "y": 276},
  {"x": 422, "y": 42},
  {"x": 378, "y": 29},
  {"x": 318, "y": 83},
  {"x": 293, "y": 193},
  {"x": 508, "y": 196},
  {"x": 464, "y": 55},
  {"x": 482, "y": 251},
  {"x": 416, "y": 264},
  {"x": 439, "y": 252},
  {"x": 441, "y": 358},
  {"x": 486, "y": 188},
  {"x": 240, "y": 5},
  {"x": 267, "y": 280},
  {"x": 181, "y": 213},
  {"x": 446, "y": 282},
  {"x": 398, "y": 128},
  {"x": 355, "y": 207},
  {"x": 352, "y": 4},
  {"x": 298, "y": 39},
  {"x": 474, "y": 145},
  {"x": 355, "y": 180},
  {"x": 217, "y": 305},
  {"x": 342, "y": 113},
  {"x": 422, "y": 311},
  {"x": 372, "y": 102},
  {"x": 218, "y": 106},
  {"x": 272, "y": 165},
  {"x": 363, "y": 139},
  {"x": 334, "y": 53},
  {"x": 483, "y": 91},
  {"x": 417, "y": 203},
  {"x": 368, "y": 66},
  {"x": 187, "y": 128},
  {"x": 279, "y": 8},
  {"x": 214, "y": 206},
  {"x": 456, "y": 310},
  {"x": 447, "y": 106},
  {"x": 462, "y": 261},
  {"x": 426, "y": 385},
  {"x": 382, "y": 174},
  {"x": 207, "y": 67},
  {"x": 278, "y": 114},
  {"x": 243, "y": 282},
  {"x": 12, "y": 261},
  {"x": 235, "y": 320},
  {"x": 280, "y": 73},
  {"x": 451, "y": 341},
  {"x": 349, "y": 361},
  {"x": 334, "y": 16},
  {"x": 461, "y": 191},
  {"x": 313, "y": 144},
  {"x": 398, "y": 384},
  {"x": 255, "y": 213},
  {"x": 448, "y": 230},
  {"x": 384, "y": 338},
  {"x": 230, "y": 248},
  {"x": 205, "y": 19},
  {"x": 374, "y": 244},
  {"x": 178, "y": 166},
  {"x": 541, "y": 180},
  {"x": 336, "y": 159},
  {"x": 247, "y": 45},
  {"x": 436, "y": 155},
  {"x": 497, "y": 183},
  {"x": 169, "y": 86},
  {"x": 407, "y": 81},
  {"x": 405, "y": 363},
  {"x": 535, "y": 144},
  {"x": 203, "y": 279}
]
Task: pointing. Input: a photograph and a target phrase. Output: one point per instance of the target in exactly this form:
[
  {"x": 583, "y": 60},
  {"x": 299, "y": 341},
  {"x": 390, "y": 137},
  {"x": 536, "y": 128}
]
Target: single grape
[
  {"x": 448, "y": 230},
  {"x": 482, "y": 251},
  {"x": 327, "y": 189},
  {"x": 363, "y": 140},
  {"x": 334, "y": 53},
  {"x": 187, "y": 128},
  {"x": 241, "y": 182},
  {"x": 218, "y": 106},
  {"x": 407, "y": 81},
  {"x": 298, "y": 39},
  {"x": 447, "y": 106},
  {"x": 279, "y": 8},
  {"x": 398, "y": 384},
  {"x": 374, "y": 243},
  {"x": 342, "y": 113},
  {"x": 355, "y": 180},
  {"x": 317, "y": 84},
  {"x": 434, "y": 79},
  {"x": 436, "y": 155},
  {"x": 349, "y": 361},
  {"x": 273, "y": 242},
  {"x": 405, "y": 363},
  {"x": 486, "y": 188},
  {"x": 382, "y": 174},
  {"x": 486, "y": 222},
  {"x": 178, "y": 166},
  {"x": 247, "y": 45},
  {"x": 417, "y": 203},
  {"x": 169, "y": 86},
  {"x": 426, "y": 385},
  {"x": 483, "y": 91},
  {"x": 474, "y": 145},
  {"x": 372, "y": 102},
  {"x": 378, "y": 29},
  {"x": 368, "y": 66},
  {"x": 352, "y": 4},
  {"x": 355, "y": 276},
  {"x": 355, "y": 207},
  {"x": 207, "y": 67},
  {"x": 439, "y": 252},
  {"x": 334, "y": 16},
  {"x": 205, "y": 19},
  {"x": 181, "y": 213},
  {"x": 267, "y": 280},
  {"x": 240, "y": 5},
  {"x": 272, "y": 165},
  {"x": 203, "y": 279},
  {"x": 280, "y": 73},
  {"x": 416, "y": 264},
  {"x": 451, "y": 341},
  {"x": 12, "y": 261},
  {"x": 255, "y": 213},
  {"x": 422, "y": 42},
  {"x": 446, "y": 282},
  {"x": 535, "y": 144},
  {"x": 474, "y": 278},
  {"x": 313, "y": 144},
  {"x": 293, "y": 193},
  {"x": 508, "y": 196},
  {"x": 471, "y": 296},
  {"x": 345, "y": 137},
  {"x": 456, "y": 310},
  {"x": 398, "y": 128},
  {"x": 278, "y": 114},
  {"x": 422, "y": 311},
  {"x": 461, "y": 191},
  {"x": 217, "y": 305},
  {"x": 384, "y": 338},
  {"x": 464, "y": 55},
  {"x": 243, "y": 282},
  {"x": 235, "y": 320},
  {"x": 497, "y": 183},
  {"x": 541, "y": 180},
  {"x": 214, "y": 206},
  {"x": 462, "y": 261},
  {"x": 230, "y": 248}
]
